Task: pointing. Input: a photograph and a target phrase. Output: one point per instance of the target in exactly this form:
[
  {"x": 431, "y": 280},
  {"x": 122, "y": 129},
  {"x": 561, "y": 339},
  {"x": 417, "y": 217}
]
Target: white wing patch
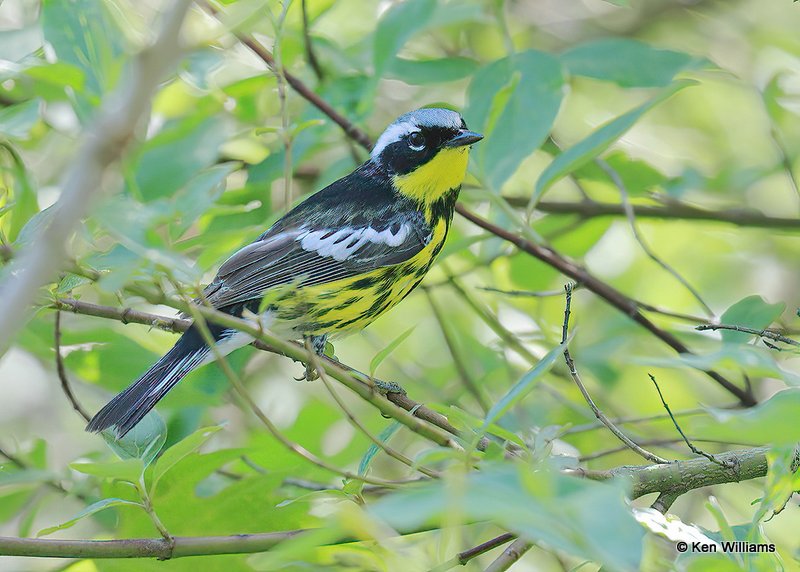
[{"x": 343, "y": 243}]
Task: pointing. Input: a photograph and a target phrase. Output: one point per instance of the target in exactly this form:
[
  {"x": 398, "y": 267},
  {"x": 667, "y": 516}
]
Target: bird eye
[{"x": 416, "y": 141}]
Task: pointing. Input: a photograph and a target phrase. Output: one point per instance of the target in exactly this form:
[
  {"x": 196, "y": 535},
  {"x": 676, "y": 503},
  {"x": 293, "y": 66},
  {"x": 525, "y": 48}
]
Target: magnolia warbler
[{"x": 335, "y": 262}]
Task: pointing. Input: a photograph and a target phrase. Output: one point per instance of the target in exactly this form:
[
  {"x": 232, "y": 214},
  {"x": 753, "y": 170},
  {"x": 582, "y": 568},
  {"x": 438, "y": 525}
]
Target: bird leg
[{"x": 317, "y": 344}]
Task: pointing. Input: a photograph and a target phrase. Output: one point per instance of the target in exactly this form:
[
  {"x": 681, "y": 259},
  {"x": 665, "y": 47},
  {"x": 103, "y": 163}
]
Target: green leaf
[
  {"x": 88, "y": 511},
  {"x": 627, "y": 62},
  {"x": 143, "y": 442},
  {"x": 26, "y": 204},
  {"x": 387, "y": 351},
  {"x": 586, "y": 519},
  {"x": 373, "y": 450},
  {"x": 71, "y": 281},
  {"x": 82, "y": 33},
  {"x": 754, "y": 361},
  {"x": 524, "y": 385},
  {"x": 751, "y": 312},
  {"x": 174, "y": 156},
  {"x": 511, "y": 132},
  {"x": 181, "y": 450},
  {"x": 773, "y": 422},
  {"x": 424, "y": 72},
  {"x": 397, "y": 25},
  {"x": 129, "y": 470},
  {"x": 593, "y": 145},
  {"x": 16, "y": 121}
]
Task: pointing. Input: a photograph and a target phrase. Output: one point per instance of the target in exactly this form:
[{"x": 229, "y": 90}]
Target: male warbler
[{"x": 335, "y": 262}]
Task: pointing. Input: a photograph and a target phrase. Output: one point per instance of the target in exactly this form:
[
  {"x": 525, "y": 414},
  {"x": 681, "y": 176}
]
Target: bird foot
[{"x": 386, "y": 387}]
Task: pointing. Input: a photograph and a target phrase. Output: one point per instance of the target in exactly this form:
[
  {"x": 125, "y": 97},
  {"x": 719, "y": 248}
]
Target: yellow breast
[
  {"x": 351, "y": 304},
  {"x": 443, "y": 173}
]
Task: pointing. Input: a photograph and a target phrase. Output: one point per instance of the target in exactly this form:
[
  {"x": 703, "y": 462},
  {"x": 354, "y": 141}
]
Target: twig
[
  {"x": 608, "y": 293},
  {"x": 62, "y": 372},
  {"x": 749, "y": 218},
  {"x": 233, "y": 378},
  {"x": 689, "y": 444},
  {"x": 678, "y": 477},
  {"x": 510, "y": 555},
  {"x": 462, "y": 558},
  {"x": 765, "y": 333},
  {"x": 657, "y": 442},
  {"x": 525, "y": 293},
  {"x": 547, "y": 255},
  {"x": 664, "y": 501},
  {"x": 101, "y": 146},
  {"x": 55, "y": 485},
  {"x": 599, "y": 414},
  {"x": 311, "y": 55},
  {"x": 292, "y": 350},
  {"x": 302, "y": 89},
  {"x": 458, "y": 359},
  {"x": 631, "y": 216},
  {"x": 631, "y": 419},
  {"x": 160, "y": 548},
  {"x": 393, "y": 453}
]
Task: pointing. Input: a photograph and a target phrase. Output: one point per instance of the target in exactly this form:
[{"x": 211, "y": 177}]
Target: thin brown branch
[
  {"x": 311, "y": 55},
  {"x": 462, "y": 558},
  {"x": 62, "y": 372},
  {"x": 458, "y": 359},
  {"x": 393, "y": 453},
  {"x": 631, "y": 216},
  {"x": 689, "y": 444},
  {"x": 596, "y": 410},
  {"x": 608, "y": 293},
  {"x": 655, "y": 442},
  {"x": 55, "y": 485},
  {"x": 302, "y": 89},
  {"x": 510, "y": 555},
  {"x": 765, "y": 333},
  {"x": 674, "y": 211},
  {"x": 549, "y": 256},
  {"x": 342, "y": 372}
]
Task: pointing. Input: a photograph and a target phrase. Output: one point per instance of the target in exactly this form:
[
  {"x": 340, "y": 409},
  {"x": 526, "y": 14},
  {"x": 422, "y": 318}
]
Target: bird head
[{"x": 425, "y": 152}]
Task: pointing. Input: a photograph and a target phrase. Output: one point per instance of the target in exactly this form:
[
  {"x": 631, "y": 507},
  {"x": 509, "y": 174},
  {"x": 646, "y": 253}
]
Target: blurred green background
[{"x": 685, "y": 102}]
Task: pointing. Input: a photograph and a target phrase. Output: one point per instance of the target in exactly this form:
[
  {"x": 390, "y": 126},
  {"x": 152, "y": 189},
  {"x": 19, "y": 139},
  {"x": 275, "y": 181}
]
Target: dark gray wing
[{"x": 306, "y": 256}]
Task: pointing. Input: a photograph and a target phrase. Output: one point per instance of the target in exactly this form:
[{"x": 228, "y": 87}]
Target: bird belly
[{"x": 349, "y": 305}]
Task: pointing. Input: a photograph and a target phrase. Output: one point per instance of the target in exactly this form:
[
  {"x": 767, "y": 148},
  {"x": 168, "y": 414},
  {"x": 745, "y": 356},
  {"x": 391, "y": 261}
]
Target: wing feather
[{"x": 307, "y": 257}]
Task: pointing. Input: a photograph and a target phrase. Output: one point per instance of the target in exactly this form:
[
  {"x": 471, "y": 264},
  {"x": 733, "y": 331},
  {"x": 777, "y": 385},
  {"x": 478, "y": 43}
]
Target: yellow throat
[{"x": 435, "y": 178}]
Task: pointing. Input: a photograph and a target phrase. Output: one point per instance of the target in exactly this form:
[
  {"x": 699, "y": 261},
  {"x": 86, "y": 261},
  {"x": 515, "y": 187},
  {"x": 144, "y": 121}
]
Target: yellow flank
[
  {"x": 351, "y": 304},
  {"x": 429, "y": 182}
]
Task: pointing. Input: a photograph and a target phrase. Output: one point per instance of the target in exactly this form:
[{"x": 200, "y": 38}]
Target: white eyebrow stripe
[
  {"x": 393, "y": 133},
  {"x": 355, "y": 239}
]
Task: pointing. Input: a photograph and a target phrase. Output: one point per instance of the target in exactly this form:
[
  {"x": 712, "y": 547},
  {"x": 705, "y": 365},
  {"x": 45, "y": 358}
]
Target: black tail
[{"x": 129, "y": 407}]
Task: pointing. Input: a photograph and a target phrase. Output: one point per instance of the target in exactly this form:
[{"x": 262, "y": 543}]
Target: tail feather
[{"x": 125, "y": 410}]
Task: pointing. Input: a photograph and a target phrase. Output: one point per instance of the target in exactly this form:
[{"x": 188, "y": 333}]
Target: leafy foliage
[{"x": 709, "y": 176}]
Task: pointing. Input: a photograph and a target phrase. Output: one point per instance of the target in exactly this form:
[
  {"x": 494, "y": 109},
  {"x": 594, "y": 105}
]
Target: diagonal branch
[
  {"x": 607, "y": 292},
  {"x": 348, "y": 376},
  {"x": 614, "y": 297}
]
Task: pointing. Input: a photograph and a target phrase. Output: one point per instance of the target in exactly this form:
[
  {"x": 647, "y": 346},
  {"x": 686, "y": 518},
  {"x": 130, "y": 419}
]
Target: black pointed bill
[{"x": 464, "y": 137}]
